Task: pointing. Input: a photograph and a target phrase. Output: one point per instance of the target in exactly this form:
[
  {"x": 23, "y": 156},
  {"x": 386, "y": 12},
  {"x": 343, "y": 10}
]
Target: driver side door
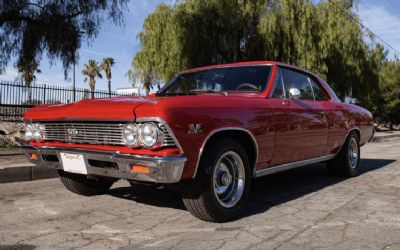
[{"x": 301, "y": 130}]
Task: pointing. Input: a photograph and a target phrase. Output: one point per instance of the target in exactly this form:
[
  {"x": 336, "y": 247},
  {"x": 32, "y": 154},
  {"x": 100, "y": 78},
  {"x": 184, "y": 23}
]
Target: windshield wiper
[{"x": 208, "y": 91}]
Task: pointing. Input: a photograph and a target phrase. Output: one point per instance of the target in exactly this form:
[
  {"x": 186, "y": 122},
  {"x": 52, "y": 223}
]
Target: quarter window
[{"x": 279, "y": 88}]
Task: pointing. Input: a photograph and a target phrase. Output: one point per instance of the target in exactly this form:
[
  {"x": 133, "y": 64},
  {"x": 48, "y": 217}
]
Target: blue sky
[{"x": 382, "y": 17}]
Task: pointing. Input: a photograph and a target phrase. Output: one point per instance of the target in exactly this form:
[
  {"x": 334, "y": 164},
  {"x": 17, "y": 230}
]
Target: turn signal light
[
  {"x": 33, "y": 156},
  {"x": 139, "y": 169}
]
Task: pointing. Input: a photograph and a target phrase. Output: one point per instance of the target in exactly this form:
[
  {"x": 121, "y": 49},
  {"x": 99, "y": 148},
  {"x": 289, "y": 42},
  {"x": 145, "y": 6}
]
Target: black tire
[
  {"x": 199, "y": 196},
  {"x": 341, "y": 165},
  {"x": 81, "y": 184}
]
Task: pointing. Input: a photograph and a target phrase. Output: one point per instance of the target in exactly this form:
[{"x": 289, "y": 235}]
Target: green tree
[
  {"x": 389, "y": 105},
  {"x": 196, "y": 33},
  {"x": 27, "y": 71},
  {"x": 322, "y": 37},
  {"x": 28, "y": 28},
  {"x": 145, "y": 78},
  {"x": 318, "y": 37},
  {"x": 106, "y": 65},
  {"x": 91, "y": 71}
]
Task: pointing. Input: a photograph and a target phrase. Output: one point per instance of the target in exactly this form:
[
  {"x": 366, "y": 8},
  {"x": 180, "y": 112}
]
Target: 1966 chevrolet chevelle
[{"x": 209, "y": 132}]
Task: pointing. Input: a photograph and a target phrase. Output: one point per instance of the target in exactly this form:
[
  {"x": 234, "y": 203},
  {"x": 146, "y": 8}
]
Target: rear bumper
[{"x": 112, "y": 164}]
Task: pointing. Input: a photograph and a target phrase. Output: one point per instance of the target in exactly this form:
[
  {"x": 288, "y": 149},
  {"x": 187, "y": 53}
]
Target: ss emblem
[{"x": 195, "y": 129}]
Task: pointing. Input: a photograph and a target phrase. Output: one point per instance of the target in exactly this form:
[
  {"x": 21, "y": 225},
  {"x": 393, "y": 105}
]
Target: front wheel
[
  {"x": 221, "y": 188},
  {"x": 346, "y": 162},
  {"x": 83, "y": 185}
]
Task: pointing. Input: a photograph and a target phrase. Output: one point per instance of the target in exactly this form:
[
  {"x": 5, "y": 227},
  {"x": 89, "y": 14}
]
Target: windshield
[{"x": 244, "y": 78}]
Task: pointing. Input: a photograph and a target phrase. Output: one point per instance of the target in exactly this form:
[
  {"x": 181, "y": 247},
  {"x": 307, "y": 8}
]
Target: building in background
[{"x": 130, "y": 90}]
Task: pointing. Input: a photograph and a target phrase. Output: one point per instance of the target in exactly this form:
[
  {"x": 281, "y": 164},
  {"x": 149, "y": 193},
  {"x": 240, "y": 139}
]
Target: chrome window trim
[
  {"x": 277, "y": 77},
  {"x": 291, "y": 165},
  {"x": 225, "y": 129},
  {"x": 222, "y": 67}
]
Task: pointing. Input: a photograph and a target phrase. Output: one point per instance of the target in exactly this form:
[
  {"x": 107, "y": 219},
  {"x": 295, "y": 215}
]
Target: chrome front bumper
[{"x": 162, "y": 169}]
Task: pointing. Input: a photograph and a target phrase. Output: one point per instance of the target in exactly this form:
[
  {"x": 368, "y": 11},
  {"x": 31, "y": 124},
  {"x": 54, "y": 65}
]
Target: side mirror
[{"x": 294, "y": 93}]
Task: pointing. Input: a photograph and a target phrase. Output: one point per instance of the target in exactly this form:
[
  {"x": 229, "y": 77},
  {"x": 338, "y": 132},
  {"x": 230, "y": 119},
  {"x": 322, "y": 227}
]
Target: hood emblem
[
  {"x": 195, "y": 129},
  {"x": 72, "y": 132}
]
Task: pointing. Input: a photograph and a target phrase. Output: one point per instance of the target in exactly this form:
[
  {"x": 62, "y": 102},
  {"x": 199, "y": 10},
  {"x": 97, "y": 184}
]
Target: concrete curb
[{"x": 25, "y": 173}]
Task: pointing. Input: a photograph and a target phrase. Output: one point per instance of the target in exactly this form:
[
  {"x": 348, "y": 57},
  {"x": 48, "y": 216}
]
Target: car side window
[
  {"x": 319, "y": 93},
  {"x": 279, "y": 88},
  {"x": 294, "y": 79}
]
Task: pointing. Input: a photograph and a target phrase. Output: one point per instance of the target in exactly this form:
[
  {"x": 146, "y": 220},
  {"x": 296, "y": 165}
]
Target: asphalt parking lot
[{"x": 299, "y": 209}]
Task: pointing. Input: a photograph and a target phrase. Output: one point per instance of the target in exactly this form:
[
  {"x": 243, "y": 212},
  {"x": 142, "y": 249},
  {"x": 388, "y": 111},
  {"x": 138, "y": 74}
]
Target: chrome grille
[
  {"x": 86, "y": 133},
  {"x": 93, "y": 133}
]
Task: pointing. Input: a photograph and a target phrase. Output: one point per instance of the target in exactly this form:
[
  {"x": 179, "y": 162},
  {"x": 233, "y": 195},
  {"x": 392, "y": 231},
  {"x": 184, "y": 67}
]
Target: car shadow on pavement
[
  {"x": 266, "y": 192},
  {"x": 280, "y": 188},
  {"x": 160, "y": 197}
]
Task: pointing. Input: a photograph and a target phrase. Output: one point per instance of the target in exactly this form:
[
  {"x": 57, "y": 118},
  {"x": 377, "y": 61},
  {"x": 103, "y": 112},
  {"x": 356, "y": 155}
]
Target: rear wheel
[
  {"x": 84, "y": 185},
  {"x": 222, "y": 185},
  {"x": 346, "y": 162}
]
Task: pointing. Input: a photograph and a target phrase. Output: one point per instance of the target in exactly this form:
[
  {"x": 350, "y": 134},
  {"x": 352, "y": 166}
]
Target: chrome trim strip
[
  {"x": 224, "y": 129},
  {"x": 287, "y": 166},
  {"x": 158, "y": 119},
  {"x": 222, "y": 67},
  {"x": 94, "y": 151},
  {"x": 79, "y": 119}
]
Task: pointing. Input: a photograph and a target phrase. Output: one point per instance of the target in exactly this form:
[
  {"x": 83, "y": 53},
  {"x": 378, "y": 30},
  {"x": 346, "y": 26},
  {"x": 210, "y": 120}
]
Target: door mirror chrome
[{"x": 294, "y": 93}]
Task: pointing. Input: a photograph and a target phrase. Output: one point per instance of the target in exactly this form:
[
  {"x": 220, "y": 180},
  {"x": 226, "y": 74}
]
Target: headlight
[
  {"x": 29, "y": 132},
  {"x": 130, "y": 134},
  {"x": 38, "y": 134},
  {"x": 149, "y": 134}
]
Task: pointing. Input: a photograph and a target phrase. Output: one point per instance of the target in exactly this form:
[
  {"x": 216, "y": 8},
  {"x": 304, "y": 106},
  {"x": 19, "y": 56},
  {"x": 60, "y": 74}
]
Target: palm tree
[
  {"x": 106, "y": 65},
  {"x": 27, "y": 69},
  {"x": 91, "y": 71}
]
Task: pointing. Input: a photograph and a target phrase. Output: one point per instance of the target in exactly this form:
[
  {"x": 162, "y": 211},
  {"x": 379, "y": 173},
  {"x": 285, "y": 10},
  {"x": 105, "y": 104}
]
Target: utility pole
[{"x": 73, "y": 80}]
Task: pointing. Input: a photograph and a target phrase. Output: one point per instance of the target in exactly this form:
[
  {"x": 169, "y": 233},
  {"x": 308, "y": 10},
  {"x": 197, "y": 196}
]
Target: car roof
[
  {"x": 248, "y": 63},
  {"x": 229, "y": 65}
]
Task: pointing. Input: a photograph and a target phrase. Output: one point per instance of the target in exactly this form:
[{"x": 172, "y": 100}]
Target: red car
[{"x": 209, "y": 132}]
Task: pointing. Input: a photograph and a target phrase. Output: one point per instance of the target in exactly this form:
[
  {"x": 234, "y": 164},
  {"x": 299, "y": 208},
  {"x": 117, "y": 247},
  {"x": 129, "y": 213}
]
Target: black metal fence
[{"x": 16, "y": 98}]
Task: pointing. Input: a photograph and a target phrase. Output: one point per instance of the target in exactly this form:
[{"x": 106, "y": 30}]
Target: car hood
[
  {"x": 117, "y": 108},
  {"x": 127, "y": 107}
]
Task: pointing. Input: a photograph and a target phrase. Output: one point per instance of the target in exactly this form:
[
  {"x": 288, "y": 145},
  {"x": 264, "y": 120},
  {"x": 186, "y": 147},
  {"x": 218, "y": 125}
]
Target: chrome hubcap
[
  {"x": 229, "y": 179},
  {"x": 353, "y": 152}
]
